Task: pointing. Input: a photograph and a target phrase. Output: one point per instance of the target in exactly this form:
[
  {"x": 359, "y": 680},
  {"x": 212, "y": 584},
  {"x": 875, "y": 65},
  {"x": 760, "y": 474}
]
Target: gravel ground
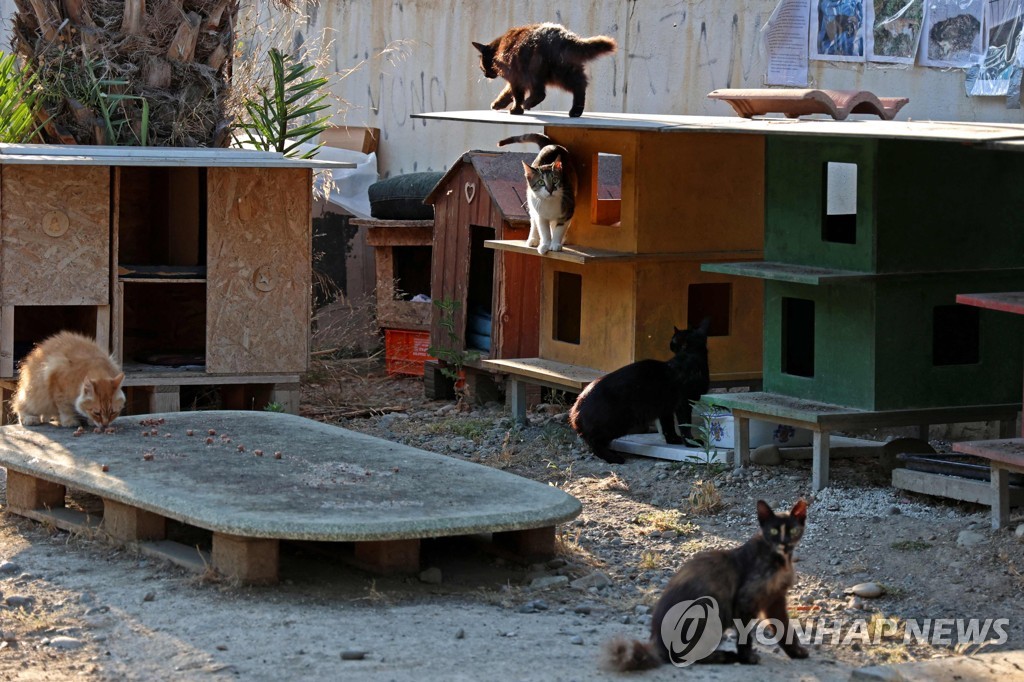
[{"x": 74, "y": 607}]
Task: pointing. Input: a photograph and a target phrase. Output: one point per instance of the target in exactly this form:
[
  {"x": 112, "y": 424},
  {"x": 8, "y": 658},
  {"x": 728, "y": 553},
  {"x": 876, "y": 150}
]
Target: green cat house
[{"x": 868, "y": 240}]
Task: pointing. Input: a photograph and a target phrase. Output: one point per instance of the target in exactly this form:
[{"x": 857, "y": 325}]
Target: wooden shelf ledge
[
  {"x": 546, "y": 372},
  {"x": 573, "y": 253},
  {"x": 786, "y": 272},
  {"x": 1007, "y": 302}
]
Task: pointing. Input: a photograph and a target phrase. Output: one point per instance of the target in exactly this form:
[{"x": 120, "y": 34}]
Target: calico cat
[
  {"x": 748, "y": 582},
  {"x": 550, "y": 191},
  {"x": 70, "y": 377},
  {"x": 532, "y": 57},
  {"x": 633, "y": 396}
]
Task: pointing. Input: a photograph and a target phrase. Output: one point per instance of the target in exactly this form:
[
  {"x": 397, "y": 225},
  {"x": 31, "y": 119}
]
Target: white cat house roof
[{"x": 95, "y": 155}]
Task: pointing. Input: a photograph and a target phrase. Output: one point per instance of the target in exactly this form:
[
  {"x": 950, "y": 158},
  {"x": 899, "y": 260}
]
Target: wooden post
[
  {"x": 1000, "y": 496},
  {"x": 131, "y": 524},
  {"x": 740, "y": 440},
  {"x": 250, "y": 560},
  {"x": 530, "y": 543},
  {"x": 25, "y": 491},
  {"x": 287, "y": 396},
  {"x": 164, "y": 399},
  {"x": 517, "y": 397},
  {"x": 389, "y": 556},
  {"x": 819, "y": 466}
]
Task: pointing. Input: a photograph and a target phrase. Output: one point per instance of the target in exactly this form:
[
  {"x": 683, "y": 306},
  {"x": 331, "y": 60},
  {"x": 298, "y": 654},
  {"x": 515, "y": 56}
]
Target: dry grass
[
  {"x": 667, "y": 519},
  {"x": 704, "y": 497},
  {"x": 612, "y": 482}
]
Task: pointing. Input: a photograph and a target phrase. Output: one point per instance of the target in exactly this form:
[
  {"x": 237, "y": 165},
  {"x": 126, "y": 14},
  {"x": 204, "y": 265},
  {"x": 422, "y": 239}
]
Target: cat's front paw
[
  {"x": 516, "y": 110},
  {"x": 576, "y": 112},
  {"x": 543, "y": 248},
  {"x": 795, "y": 651},
  {"x": 532, "y": 242},
  {"x": 555, "y": 246},
  {"x": 29, "y": 420}
]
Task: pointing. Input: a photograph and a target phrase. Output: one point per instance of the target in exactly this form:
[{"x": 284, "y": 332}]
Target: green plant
[
  {"x": 273, "y": 407},
  {"x": 910, "y": 545},
  {"x": 274, "y": 116},
  {"x": 109, "y": 101},
  {"x": 451, "y": 355},
  {"x": 702, "y": 438},
  {"x": 17, "y": 102}
]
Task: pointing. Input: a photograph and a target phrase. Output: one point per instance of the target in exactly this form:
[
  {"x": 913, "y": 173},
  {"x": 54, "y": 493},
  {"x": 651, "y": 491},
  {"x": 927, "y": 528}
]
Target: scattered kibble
[
  {"x": 155, "y": 432},
  {"x": 110, "y": 429},
  {"x": 395, "y": 470},
  {"x": 212, "y": 432},
  {"x": 189, "y": 432},
  {"x": 104, "y": 467},
  {"x": 241, "y": 448},
  {"x": 148, "y": 457},
  {"x": 209, "y": 441},
  {"x": 167, "y": 435},
  {"x": 258, "y": 453},
  {"x": 76, "y": 434},
  {"x": 369, "y": 473},
  {"x": 97, "y": 430},
  {"x": 277, "y": 455}
]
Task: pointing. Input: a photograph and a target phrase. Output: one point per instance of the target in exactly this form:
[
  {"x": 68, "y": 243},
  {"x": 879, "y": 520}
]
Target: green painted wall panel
[
  {"x": 945, "y": 206},
  {"x": 795, "y": 196}
]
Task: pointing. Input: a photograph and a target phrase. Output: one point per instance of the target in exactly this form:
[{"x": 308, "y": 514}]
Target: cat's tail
[
  {"x": 584, "y": 49},
  {"x": 622, "y": 654},
  {"x": 537, "y": 138}
]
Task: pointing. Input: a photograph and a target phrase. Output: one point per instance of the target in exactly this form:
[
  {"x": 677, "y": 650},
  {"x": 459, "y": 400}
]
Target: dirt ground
[{"x": 75, "y": 607}]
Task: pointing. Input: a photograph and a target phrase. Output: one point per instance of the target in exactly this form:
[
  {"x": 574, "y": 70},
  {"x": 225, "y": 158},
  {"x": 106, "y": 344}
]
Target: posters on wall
[
  {"x": 895, "y": 30},
  {"x": 983, "y": 36},
  {"x": 952, "y": 32},
  {"x": 784, "y": 39},
  {"x": 997, "y": 72}
]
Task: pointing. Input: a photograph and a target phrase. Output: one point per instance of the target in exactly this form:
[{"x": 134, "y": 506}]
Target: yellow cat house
[{"x": 653, "y": 203}]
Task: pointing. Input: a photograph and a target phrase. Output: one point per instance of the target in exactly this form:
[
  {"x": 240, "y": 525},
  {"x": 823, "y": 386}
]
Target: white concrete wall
[{"x": 671, "y": 54}]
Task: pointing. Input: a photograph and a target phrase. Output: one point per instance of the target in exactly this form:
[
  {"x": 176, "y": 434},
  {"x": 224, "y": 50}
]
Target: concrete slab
[{"x": 330, "y": 484}]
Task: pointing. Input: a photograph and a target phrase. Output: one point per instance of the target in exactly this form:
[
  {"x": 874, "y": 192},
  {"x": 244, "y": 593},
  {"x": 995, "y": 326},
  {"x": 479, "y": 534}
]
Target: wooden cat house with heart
[
  {"x": 651, "y": 206},
  {"x": 191, "y": 265},
  {"x": 493, "y": 298}
]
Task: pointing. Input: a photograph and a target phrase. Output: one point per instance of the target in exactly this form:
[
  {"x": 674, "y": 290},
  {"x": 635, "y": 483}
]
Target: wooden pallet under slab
[{"x": 329, "y": 485}]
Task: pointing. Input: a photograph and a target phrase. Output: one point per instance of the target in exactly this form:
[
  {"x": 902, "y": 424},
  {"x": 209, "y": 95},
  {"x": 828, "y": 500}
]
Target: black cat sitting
[{"x": 631, "y": 397}]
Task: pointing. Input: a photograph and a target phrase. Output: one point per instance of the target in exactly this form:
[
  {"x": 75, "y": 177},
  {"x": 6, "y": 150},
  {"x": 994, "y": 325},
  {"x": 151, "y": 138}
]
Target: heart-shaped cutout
[{"x": 470, "y": 190}]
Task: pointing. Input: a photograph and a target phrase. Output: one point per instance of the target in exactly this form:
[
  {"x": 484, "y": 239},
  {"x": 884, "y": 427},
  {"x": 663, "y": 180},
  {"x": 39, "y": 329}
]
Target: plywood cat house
[
  {"x": 192, "y": 266},
  {"x": 631, "y": 269},
  {"x": 870, "y": 233},
  {"x": 482, "y": 197}
]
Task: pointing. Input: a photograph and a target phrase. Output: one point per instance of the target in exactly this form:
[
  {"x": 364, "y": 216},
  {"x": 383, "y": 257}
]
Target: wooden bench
[
  {"x": 540, "y": 372},
  {"x": 1005, "y": 456},
  {"x": 823, "y": 418}
]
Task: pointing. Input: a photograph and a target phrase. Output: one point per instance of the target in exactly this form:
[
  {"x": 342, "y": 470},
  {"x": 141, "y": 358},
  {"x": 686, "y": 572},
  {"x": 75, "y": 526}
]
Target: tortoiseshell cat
[
  {"x": 532, "y": 57},
  {"x": 68, "y": 376},
  {"x": 550, "y": 191},
  {"x": 748, "y": 582},
  {"x": 631, "y": 397}
]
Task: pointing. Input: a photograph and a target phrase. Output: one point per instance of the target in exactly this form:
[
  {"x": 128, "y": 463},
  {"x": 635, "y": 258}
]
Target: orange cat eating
[{"x": 68, "y": 376}]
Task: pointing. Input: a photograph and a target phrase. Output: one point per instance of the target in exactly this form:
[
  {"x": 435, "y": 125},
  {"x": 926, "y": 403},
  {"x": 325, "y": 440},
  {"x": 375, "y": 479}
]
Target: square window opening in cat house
[
  {"x": 956, "y": 335},
  {"x": 34, "y": 324},
  {"x": 839, "y": 203},
  {"x": 164, "y": 325},
  {"x": 411, "y": 271},
  {"x": 712, "y": 301},
  {"x": 568, "y": 306},
  {"x": 798, "y": 337},
  {"x": 161, "y": 214},
  {"x": 606, "y": 189},
  {"x": 480, "y": 292}
]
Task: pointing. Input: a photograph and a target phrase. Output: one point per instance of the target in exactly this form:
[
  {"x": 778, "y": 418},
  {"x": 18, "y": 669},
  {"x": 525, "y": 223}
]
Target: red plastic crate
[{"x": 405, "y": 351}]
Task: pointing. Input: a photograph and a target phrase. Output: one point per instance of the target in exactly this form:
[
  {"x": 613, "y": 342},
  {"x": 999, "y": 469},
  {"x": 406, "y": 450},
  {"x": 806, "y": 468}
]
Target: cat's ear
[
  {"x": 88, "y": 389},
  {"x": 117, "y": 380},
  {"x": 529, "y": 170},
  {"x": 484, "y": 49},
  {"x": 764, "y": 512},
  {"x": 799, "y": 511},
  {"x": 557, "y": 166}
]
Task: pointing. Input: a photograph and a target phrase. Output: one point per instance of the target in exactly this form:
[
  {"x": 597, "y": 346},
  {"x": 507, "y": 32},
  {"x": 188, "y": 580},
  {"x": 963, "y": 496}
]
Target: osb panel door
[
  {"x": 258, "y": 270},
  {"x": 55, "y": 232}
]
